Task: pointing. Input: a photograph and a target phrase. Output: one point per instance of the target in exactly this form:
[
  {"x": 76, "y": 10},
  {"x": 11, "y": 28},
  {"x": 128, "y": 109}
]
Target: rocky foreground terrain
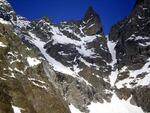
[{"x": 72, "y": 67}]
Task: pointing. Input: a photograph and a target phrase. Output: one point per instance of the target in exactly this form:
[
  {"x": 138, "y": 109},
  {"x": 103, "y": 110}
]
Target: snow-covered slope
[{"x": 116, "y": 106}]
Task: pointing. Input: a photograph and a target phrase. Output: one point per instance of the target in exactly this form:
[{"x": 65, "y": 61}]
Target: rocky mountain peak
[
  {"x": 91, "y": 22},
  {"x": 46, "y": 19},
  {"x": 139, "y": 2},
  {"x": 6, "y": 11},
  {"x": 3, "y": 1},
  {"x": 141, "y": 6},
  {"x": 137, "y": 22},
  {"x": 90, "y": 13}
]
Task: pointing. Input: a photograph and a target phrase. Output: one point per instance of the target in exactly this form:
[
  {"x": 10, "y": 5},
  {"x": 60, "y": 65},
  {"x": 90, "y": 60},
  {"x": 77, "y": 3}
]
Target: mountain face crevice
[{"x": 72, "y": 67}]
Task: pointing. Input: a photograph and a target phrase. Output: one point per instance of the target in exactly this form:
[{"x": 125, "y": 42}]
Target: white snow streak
[
  {"x": 74, "y": 109},
  {"x": 133, "y": 77},
  {"x": 33, "y": 61},
  {"x": 57, "y": 66},
  {"x": 2, "y": 21},
  {"x": 58, "y": 37},
  {"x": 2, "y": 44},
  {"x": 17, "y": 109},
  {"x": 111, "y": 46}
]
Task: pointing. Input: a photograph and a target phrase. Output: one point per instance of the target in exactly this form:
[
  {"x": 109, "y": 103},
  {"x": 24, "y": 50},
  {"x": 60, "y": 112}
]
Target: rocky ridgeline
[{"x": 49, "y": 68}]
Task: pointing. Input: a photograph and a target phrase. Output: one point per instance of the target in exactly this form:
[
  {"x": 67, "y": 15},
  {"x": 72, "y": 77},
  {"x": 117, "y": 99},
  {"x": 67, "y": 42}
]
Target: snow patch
[
  {"x": 2, "y": 21},
  {"x": 40, "y": 86},
  {"x": 22, "y": 22},
  {"x": 2, "y": 44},
  {"x": 139, "y": 17},
  {"x": 33, "y": 61},
  {"x": 17, "y": 60},
  {"x": 113, "y": 77},
  {"x": 33, "y": 79},
  {"x": 74, "y": 109},
  {"x": 17, "y": 109},
  {"x": 39, "y": 83},
  {"x": 91, "y": 25},
  {"x": 133, "y": 77},
  {"x": 2, "y": 78},
  {"x": 58, "y": 37},
  {"x": 57, "y": 66},
  {"x": 115, "y": 106},
  {"x": 87, "y": 63},
  {"x": 76, "y": 69},
  {"x": 141, "y": 38},
  {"x": 111, "y": 47},
  {"x": 18, "y": 70}
]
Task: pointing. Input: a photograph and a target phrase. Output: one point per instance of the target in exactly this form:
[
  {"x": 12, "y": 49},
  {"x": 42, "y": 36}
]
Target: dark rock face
[
  {"x": 91, "y": 23},
  {"x": 5, "y": 102},
  {"x": 142, "y": 97},
  {"x": 132, "y": 36},
  {"x": 40, "y": 28},
  {"x": 6, "y": 11}
]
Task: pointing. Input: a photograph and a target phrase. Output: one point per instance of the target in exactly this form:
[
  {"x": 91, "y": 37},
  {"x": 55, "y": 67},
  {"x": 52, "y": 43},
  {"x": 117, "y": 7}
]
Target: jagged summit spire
[
  {"x": 46, "y": 19},
  {"x": 141, "y": 2},
  {"x": 4, "y": 2},
  {"x": 90, "y": 13},
  {"x": 141, "y": 9},
  {"x": 91, "y": 22},
  {"x": 146, "y": 2}
]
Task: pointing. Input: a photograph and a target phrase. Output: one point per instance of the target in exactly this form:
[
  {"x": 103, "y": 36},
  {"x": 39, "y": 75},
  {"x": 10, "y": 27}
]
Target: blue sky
[{"x": 110, "y": 11}]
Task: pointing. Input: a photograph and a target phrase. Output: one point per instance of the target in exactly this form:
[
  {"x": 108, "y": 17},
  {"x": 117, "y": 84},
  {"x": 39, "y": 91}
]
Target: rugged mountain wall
[
  {"x": 72, "y": 52},
  {"x": 132, "y": 39},
  {"x": 132, "y": 35},
  {"x": 49, "y": 68},
  {"x": 79, "y": 59}
]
